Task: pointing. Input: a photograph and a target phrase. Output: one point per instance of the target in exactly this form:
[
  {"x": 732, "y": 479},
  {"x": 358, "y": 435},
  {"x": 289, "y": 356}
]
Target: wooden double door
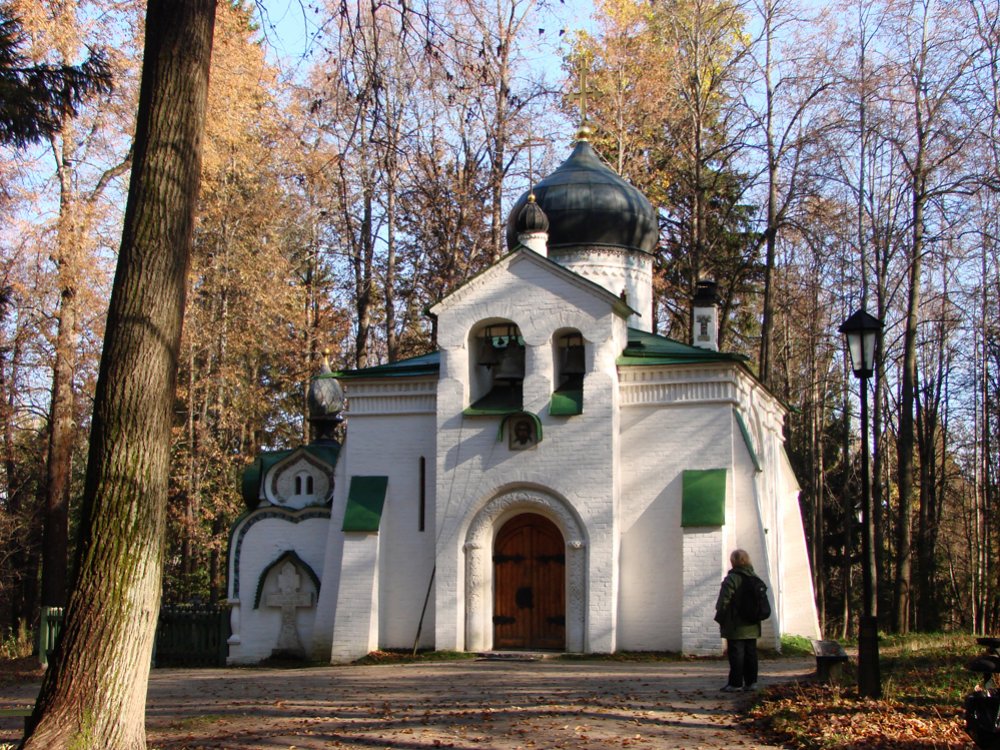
[{"x": 529, "y": 585}]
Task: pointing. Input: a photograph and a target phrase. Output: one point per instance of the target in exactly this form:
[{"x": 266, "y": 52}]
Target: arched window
[
  {"x": 304, "y": 484},
  {"x": 497, "y": 369}
]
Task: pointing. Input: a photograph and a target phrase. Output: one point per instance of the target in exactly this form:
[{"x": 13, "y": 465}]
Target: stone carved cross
[{"x": 289, "y": 599}]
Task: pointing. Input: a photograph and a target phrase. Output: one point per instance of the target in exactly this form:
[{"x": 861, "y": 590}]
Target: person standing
[{"x": 741, "y": 635}]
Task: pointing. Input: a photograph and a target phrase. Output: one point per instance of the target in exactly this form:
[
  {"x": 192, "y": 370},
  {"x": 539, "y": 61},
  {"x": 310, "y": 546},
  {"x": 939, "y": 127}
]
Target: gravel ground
[{"x": 499, "y": 705}]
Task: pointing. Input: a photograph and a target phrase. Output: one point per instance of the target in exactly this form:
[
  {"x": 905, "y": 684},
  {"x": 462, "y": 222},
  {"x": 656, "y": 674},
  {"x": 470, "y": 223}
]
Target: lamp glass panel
[
  {"x": 870, "y": 338},
  {"x": 854, "y": 345}
]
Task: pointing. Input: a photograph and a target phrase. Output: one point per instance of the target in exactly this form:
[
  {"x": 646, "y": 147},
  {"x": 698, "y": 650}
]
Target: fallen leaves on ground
[{"x": 827, "y": 717}]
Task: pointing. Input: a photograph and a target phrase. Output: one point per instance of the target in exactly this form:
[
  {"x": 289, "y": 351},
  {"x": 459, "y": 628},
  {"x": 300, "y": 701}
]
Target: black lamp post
[{"x": 862, "y": 331}]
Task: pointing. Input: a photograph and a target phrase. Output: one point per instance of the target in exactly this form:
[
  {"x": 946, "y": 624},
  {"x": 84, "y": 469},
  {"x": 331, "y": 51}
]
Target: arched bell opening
[{"x": 497, "y": 366}]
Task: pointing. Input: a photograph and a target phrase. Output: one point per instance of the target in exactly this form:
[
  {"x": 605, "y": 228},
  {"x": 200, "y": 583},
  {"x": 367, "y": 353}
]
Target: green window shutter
[
  {"x": 365, "y": 499},
  {"x": 704, "y": 501}
]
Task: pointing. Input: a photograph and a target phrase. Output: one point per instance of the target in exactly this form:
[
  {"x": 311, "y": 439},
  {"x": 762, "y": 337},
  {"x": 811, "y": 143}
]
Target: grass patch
[
  {"x": 796, "y": 645},
  {"x": 16, "y": 644},
  {"x": 924, "y": 682}
]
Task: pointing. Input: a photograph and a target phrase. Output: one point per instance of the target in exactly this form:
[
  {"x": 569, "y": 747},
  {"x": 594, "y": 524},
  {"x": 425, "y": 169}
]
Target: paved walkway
[{"x": 497, "y": 705}]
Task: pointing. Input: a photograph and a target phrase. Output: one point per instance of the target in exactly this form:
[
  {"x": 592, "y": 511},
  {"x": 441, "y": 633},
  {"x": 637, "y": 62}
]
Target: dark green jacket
[{"x": 731, "y": 626}]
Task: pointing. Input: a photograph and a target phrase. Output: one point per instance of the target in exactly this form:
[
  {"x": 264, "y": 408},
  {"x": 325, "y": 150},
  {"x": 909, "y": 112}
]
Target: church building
[{"x": 554, "y": 477}]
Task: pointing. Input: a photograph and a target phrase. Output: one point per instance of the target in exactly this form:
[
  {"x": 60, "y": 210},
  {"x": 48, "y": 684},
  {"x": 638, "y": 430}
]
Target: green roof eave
[
  {"x": 325, "y": 451},
  {"x": 254, "y": 473},
  {"x": 422, "y": 366},
  {"x": 650, "y": 349},
  {"x": 747, "y": 440}
]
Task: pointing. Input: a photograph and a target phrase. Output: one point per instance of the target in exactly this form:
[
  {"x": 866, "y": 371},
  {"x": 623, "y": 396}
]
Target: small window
[{"x": 303, "y": 484}]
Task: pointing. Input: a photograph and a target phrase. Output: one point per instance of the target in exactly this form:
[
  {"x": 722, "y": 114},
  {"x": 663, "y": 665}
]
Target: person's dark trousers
[{"x": 742, "y": 662}]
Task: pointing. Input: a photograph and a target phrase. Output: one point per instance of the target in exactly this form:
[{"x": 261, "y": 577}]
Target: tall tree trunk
[
  {"x": 62, "y": 428},
  {"x": 55, "y": 547},
  {"x": 771, "y": 231},
  {"x": 94, "y": 693},
  {"x": 905, "y": 443},
  {"x": 15, "y": 570}
]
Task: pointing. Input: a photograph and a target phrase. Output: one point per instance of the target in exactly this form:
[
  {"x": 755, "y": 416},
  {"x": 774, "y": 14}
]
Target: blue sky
[{"x": 289, "y": 24}]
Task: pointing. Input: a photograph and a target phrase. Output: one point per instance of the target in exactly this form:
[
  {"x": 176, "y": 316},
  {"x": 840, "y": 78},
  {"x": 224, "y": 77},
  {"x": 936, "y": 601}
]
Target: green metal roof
[
  {"x": 642, "y": 349},
  {"x": 425, "y": 364},
  {"x": 255, "y": 472},
  {"x": 649, "y": 349},
  {"x": 748, "y": 441}
]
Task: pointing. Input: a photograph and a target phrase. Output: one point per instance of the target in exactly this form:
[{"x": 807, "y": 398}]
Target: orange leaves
[{"x": 826, "y": 717}]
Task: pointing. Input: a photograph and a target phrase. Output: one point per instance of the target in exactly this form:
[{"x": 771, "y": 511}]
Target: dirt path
[{"x": 500, "y": 705}]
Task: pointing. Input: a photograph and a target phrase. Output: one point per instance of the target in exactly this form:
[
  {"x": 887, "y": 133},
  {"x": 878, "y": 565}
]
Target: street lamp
[{"x": 862, "y": 332}]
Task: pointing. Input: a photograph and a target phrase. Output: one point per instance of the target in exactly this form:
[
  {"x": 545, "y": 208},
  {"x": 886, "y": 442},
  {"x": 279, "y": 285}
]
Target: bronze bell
[
  {"x": 574, "y": 358},
  {"x": 489, "y": 356},
  {"x": 512, "y": 363}
]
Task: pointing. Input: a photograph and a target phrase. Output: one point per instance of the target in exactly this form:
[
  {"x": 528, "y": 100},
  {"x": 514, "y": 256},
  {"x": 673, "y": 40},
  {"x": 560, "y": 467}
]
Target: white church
[{"x": 555, "y": 477}]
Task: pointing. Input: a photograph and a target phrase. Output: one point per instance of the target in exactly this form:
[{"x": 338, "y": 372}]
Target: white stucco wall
[
  {"x": 618, "y": 271},
  {"x": 574, "y": 460},
  {"x": 609, "y": 478},
  {"x": 262, "y": 538},
  {"x": 390, "y": 427},
  {"x": 659, "y": 442}
]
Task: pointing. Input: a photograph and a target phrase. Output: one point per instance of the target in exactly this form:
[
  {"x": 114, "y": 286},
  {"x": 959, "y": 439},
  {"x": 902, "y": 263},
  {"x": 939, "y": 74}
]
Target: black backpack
[{"x": 751, "y": 599}]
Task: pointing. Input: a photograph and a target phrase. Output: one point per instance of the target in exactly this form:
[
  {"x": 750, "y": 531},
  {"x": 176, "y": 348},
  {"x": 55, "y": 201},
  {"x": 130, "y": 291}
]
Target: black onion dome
[
  {"x": 531, "y": 218},
  {"x": 588, "y": 204}
]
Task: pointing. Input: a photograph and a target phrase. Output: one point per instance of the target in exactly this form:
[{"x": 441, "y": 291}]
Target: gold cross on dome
[{"x": 581, "y": 93}]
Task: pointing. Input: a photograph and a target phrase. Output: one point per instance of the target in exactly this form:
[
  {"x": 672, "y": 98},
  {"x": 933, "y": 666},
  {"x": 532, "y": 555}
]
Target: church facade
[{"x": 554, "y": 477}]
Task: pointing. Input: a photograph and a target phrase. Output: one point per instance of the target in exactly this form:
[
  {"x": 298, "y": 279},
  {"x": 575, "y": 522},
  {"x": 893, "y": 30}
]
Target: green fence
[
  {"x": 186, "y": 636},
  {"x": 192, "y": 637},
  {"x": 49, "y": 625}
]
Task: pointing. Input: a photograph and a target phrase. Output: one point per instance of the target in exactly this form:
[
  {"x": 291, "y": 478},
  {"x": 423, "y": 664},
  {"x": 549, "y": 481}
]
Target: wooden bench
[{"x": 830, "y": 658}]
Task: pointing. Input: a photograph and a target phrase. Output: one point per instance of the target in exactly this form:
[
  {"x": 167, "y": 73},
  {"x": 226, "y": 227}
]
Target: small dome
[
  {"x": 326, "y": 397},
  {"x": 531, "y": 219},
  {"x": 587, "y": 203}
]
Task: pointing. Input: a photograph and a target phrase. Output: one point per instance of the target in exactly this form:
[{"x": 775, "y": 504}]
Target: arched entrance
[{"x": 529, "y": 584}]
